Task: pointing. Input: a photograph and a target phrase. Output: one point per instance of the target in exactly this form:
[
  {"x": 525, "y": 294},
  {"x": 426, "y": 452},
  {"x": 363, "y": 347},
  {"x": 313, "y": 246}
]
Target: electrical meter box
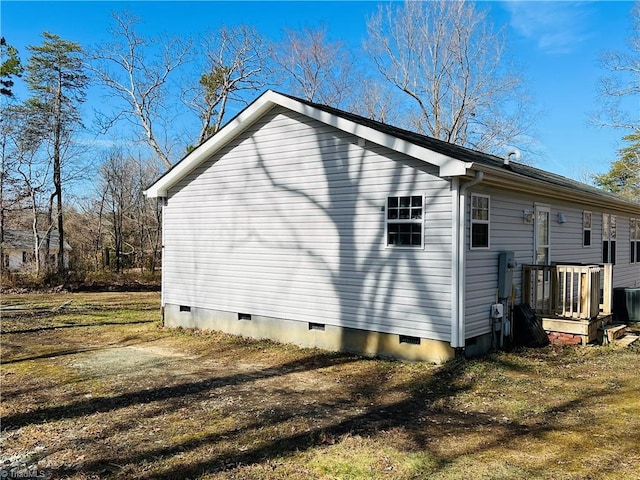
[{"x": 506, "y": 266}]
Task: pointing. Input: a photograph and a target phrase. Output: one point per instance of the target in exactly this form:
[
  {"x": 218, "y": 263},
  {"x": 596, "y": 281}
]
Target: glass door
[
  {"x": 542, "y": 257},
  {"x": 543, "y": 235}
]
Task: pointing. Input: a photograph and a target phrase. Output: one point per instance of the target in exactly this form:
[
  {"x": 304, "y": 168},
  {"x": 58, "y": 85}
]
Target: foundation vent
[
  {"x": 316, "y": 326},
  {"x": 409, "y": 340},
  {"x": 185, "y": 308},
  {"x": 244, "y": 316}
]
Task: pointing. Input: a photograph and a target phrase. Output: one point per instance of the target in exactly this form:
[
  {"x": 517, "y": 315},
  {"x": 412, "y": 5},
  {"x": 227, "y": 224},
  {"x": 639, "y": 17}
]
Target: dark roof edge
[{"x": 466, "y": 154}]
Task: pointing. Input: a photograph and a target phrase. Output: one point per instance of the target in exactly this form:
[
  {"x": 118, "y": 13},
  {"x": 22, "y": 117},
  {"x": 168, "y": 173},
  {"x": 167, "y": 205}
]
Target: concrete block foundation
[{"x": 312, "y": 335}]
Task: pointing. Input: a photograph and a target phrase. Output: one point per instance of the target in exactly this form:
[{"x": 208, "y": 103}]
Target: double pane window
[
  {"x": 634, "y": 235},
  {"x": 405, "y": 221},
  {"x": 586, "y": 229},
  {"x": 609, "y": 235},
  {"x": 479, "y": 221}
]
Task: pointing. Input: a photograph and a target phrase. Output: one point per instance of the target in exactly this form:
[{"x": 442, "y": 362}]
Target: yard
[{"x": 94, "y": 387}]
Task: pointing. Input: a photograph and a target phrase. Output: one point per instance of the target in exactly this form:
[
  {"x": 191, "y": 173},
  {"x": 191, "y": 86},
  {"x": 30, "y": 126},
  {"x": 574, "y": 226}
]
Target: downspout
[
  {"x": 162, "y": 201},
  {"x": 458, "y": 329}
]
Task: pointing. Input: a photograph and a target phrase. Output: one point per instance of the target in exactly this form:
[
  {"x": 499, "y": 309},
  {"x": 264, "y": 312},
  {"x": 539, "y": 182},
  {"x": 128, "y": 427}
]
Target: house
[
  {"x": 302, "y": 223},
  {"x": 18, "y": 249}
]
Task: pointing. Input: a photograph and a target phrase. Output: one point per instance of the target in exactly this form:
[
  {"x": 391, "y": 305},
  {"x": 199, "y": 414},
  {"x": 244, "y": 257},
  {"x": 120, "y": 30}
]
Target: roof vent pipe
[{"x": 516, "y": 155}]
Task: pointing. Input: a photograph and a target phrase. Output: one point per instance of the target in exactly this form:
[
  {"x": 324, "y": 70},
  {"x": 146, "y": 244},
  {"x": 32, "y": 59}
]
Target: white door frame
[{"x": 536, "y": 241}]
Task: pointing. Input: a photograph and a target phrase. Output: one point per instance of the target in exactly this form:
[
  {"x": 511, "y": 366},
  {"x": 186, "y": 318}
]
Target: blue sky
[{"x": 556, "y": 43}]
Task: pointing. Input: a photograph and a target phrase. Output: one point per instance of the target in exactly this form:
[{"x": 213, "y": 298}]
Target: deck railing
[{"x": 568, "y": 291}]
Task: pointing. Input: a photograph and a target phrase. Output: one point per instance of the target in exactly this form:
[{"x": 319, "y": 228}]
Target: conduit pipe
[
  {"x": 458, "y": 331},
  {"x": 516, "y": 154}
]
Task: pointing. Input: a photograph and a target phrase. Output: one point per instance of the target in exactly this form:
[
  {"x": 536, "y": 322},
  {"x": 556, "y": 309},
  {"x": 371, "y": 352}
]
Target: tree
[
  {"x": 235, "y": 63},
  {"x": 10, "y": 67},
  {"x": 26, "y": 178},
  {"x": 449, "y": 66},
  {"x": 132, "y": 218},
  {"x": 624, "y": 176},
  {"x": 622, "y": 85},
  {"x": 136, "y": 71},
  {"x": 118, "y": 193},
  {"x": 57, "y": 79},
  {"x": 376, "y": 101},
  {"x": 315, "y": 68}
]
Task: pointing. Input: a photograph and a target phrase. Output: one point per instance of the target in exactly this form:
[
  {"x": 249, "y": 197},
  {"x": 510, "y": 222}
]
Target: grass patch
[{"x": 94, "y": 387}]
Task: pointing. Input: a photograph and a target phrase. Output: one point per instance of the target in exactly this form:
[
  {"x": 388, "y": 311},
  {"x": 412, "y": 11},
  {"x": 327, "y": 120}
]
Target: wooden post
[
  {"x": 585, "y": 291},
  {"x": 607, "y": 288},
  {"x": 526, "y": 287}
]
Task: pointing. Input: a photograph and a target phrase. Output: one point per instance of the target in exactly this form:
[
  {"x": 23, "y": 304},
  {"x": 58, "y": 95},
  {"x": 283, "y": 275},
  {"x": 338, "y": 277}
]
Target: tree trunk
[
  {"x": 36, "y": 238},
  {"x": 57, "y": 176}
]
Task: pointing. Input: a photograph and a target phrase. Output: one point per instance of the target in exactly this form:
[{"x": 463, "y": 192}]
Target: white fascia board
[
  {"x": 208, "y": 148},
  {"x": 449, "y": 167}
]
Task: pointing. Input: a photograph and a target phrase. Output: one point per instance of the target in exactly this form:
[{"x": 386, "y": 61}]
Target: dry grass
[{"x": 93, "y": 387}]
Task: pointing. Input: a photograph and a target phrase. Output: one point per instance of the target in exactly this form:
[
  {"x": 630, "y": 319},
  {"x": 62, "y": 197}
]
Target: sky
[{"x": 556, "y": 44}]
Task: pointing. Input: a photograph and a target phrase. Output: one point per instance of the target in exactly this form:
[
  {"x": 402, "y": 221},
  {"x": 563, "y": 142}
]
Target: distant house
[
  {"x": 302, "y": 223},
  {"x": 18, "y": 249}
]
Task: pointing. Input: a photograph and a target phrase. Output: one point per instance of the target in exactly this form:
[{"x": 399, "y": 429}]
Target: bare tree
[
  {"x": 314, "y": 67},
  {"x": 449, "y": 65},
  {"x": 622, "y": 83},
  {"x": 85, "y": 233},
  {"x": 132, "y": 218},
  {"x": 376, "y": 101},
  {"x": 26, "y": 177},
  {"x": 146, "y": 216},
  {"x": 118, "y": 195},
  {"x": 136, "y": 71},
  {"x": 235, "y": 63},
  {"x": 621, "y": 86}
]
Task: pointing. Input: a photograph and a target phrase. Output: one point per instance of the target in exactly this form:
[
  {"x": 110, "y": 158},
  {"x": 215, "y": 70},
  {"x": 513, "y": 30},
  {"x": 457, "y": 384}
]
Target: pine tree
[
  {"x": 624, "y": 176},
  {"x": 9, "y": 67},
  {"x": 57, "y": 80}
]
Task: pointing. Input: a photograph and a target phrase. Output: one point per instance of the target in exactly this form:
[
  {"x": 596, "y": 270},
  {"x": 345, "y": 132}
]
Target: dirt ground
[{"x": 93, "y": 387}]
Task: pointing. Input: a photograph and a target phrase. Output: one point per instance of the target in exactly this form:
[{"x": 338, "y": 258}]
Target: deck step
[
  {"x": 626, "y": 340},
  {"x": 611, "y": 333}
]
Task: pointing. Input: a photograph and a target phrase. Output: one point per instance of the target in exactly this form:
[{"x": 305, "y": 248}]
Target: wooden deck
[
  {"x": 568, "y": 291},
  {"x": 571, "y": 300},
  {"x": 589, "y": 330}
]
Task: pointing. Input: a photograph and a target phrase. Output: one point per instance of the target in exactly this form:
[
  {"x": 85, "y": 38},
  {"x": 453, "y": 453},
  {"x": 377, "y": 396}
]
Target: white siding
[
  {"x": 13, "y": 259},
  {"x": 287, "y": 221},
  {"x": 509, "y": 232}
]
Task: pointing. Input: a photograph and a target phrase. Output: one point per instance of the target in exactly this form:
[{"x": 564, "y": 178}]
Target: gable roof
[
  {"x": 23, "y": 240},
  {"x": 452, "y": 160},
  {"x": 369, "y": 130}
]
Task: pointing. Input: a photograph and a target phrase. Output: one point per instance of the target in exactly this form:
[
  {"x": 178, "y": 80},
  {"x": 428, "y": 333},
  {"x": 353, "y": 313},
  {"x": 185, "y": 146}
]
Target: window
[
  {"x": 608, "y": 238},
  {"x": 479, "y": 221},
  {"x": 634, "y": 235},
  {"x": 586, "y": 229},
  {"x": 405, "y": 221}
]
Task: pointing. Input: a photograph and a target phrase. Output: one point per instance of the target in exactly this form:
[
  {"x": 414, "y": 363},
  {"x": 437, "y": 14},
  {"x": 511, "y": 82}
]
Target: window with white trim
[
  {"x": 479, "y": 221},
  {"x": 609, "y": 235},
  {"x": 586, "y": 229},
  {"x": 634, "y": 235},
  {"x": 405, "y": 221}
]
